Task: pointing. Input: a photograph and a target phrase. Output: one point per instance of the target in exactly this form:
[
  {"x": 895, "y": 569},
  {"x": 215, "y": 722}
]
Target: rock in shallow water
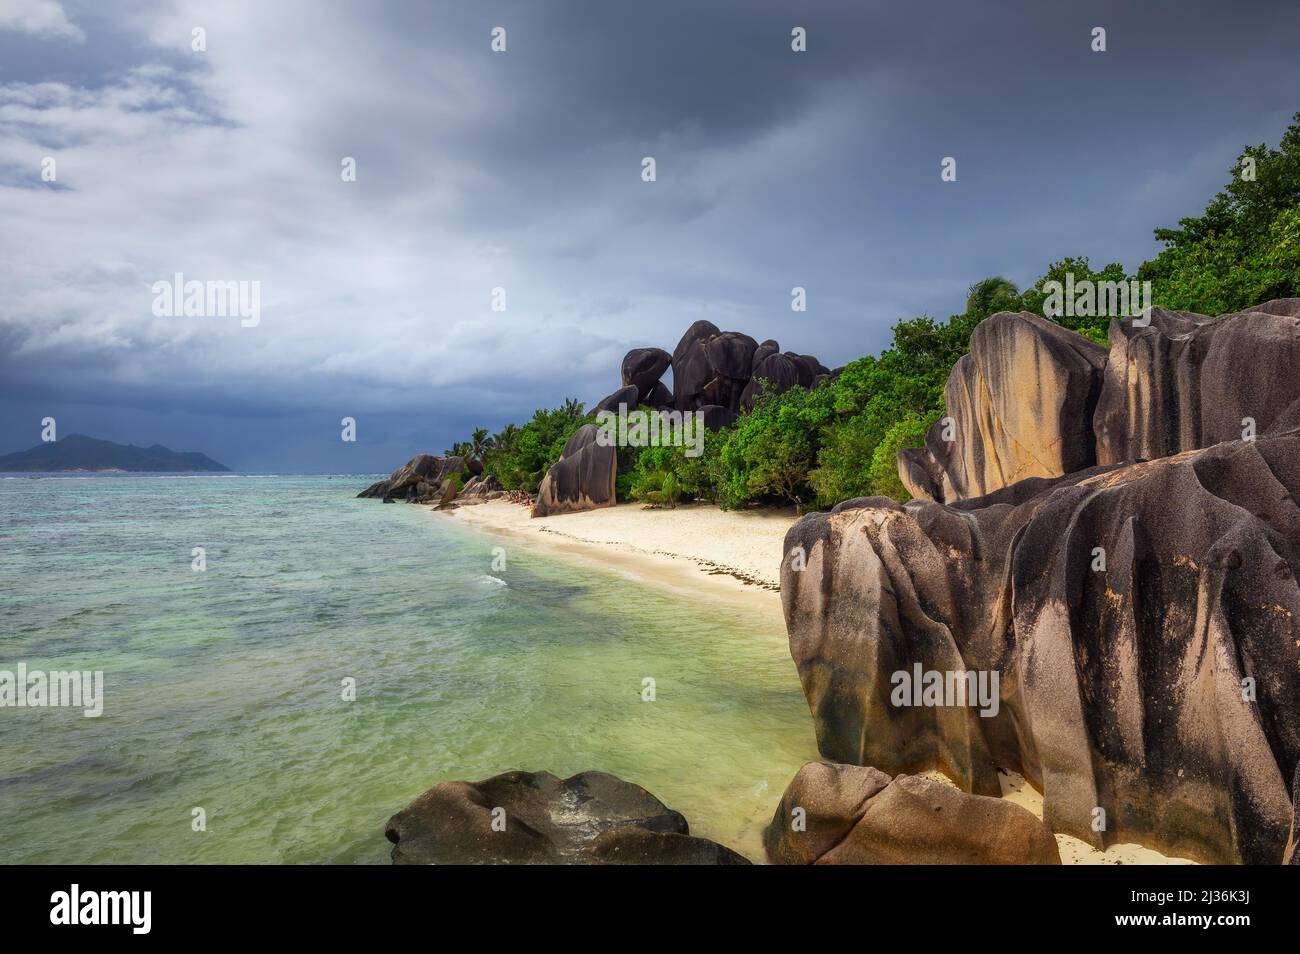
[
  {"x": 590, "y": 818},
  {"x": 404, "y": 483},
  {"x": 856, "y": 815}
]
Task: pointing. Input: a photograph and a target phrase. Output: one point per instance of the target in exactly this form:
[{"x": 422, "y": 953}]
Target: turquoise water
[{"x": 223, "y": 688}]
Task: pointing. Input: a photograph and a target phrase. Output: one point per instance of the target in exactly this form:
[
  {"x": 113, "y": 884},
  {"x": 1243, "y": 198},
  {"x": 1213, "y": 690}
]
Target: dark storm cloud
[{"x": 521, "y": 170}]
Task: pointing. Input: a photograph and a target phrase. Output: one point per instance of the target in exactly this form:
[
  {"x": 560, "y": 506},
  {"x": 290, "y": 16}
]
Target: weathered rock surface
[
  {"x": 1121, "y": 684},
  {"x": 477, "y": 490},
  {"x": 582, "y": 479},
  {"x": 627, "y": 397},
  {"x": 858, "y": 815},
  {"x": 711, "y": 367},
  {"x": 1292, "y": 856},
  {"x": 810, "y": 369},
  {"x": 659, "y": 398},
  {"x": 426, "y": 469},
  {"x": 698, "y": 332},
  {"x": 591, "y": 818},
  {"x": 1020, "y": 404},
  {"x": 1032, "y": 399},
  {"x": 483, "y": 486},
  {"x": 1189, "y": 381},
  {"x": 716, "y": 417},
  {"x": 775, "y": 374},
  {"x": 762, "y": 352},
  {"x": 643, "y": 367}
]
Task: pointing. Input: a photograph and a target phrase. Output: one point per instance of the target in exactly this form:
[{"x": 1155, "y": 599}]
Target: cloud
[
  {"x": 40, "y": 18},
  {"x": 522, "y": 170}
]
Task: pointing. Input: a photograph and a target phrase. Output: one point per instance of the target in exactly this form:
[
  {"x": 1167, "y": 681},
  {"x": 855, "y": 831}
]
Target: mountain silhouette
[{"x": 78, "y": 452}]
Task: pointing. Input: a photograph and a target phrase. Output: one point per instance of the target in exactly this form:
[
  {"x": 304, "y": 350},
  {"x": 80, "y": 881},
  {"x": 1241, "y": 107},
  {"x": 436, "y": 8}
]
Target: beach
[
  {"x": 731, "y": 556},
  {"x": 734, "y": 556}
]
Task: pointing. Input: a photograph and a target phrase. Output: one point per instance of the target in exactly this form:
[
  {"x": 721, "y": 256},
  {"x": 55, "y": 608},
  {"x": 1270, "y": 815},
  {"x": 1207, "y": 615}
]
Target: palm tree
[
  {"x": 505, "y": 439},
  {"x": 992, "y": 295},
  {"x": 479, "y": 443}
]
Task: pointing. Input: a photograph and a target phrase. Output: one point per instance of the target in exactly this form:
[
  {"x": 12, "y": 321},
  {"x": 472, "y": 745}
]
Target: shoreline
[
  {"x": 732, "y": 556},
  {"x": 695, "y": 549}
]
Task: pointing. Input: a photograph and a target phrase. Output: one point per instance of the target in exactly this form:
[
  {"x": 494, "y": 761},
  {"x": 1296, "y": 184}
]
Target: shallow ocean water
[{"x": 223, "y": 688}]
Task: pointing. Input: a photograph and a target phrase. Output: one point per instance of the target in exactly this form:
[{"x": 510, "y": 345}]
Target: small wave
[{"x": 488, "y": 578}]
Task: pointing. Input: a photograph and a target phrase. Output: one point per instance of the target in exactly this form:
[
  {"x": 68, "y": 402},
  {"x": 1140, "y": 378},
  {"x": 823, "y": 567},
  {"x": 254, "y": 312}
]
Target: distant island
[{"x": 76, "y": 452}]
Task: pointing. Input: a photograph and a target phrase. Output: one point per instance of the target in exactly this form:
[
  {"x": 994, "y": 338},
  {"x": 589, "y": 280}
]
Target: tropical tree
[
  {"x": 479, "y": 443},
  {"x": 1245, "y": 247},
  {"x": 991, "y": 296}
]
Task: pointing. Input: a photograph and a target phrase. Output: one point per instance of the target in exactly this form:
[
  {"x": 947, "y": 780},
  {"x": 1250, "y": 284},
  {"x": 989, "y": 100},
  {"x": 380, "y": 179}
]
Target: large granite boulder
[
  {"x": 582, "y": 479},
  {"x": 809, "y": 368},
  {"x": 775, "y": 374},
  {"x": 1186, "y": 381},
  {"x": 697, "y": 333},
  {"x": 764, "y": 350},
  {"x": 1143, "y": 620},
  {"x": 537, "y": 818},
  {"x": 711, "y": 367},
  {"x": 423, "y": 469},
  {"x": 1019, "y": 405},
  {"x": 626, "y": 397},
  {"x": 717, "y": 417},
  {"x": 855, "y": 815},
  {"x": 643, "y": 367},
  {"x": 483, "y": 486},
  {"x": 1032, "y": 399},
  {"x": 630, "y": 397},
  {"x": 659, "y": 397}
]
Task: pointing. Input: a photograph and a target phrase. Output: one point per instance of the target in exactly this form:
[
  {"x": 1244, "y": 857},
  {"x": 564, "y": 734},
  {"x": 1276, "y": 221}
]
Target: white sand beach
[{"x": 730, "y": 555}]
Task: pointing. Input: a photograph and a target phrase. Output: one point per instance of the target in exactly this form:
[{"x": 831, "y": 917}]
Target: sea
[{"x": 285, "y": 666}]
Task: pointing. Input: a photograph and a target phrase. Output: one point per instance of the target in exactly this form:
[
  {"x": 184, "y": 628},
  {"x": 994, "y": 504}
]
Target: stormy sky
[{"x": 522, "y": 170}]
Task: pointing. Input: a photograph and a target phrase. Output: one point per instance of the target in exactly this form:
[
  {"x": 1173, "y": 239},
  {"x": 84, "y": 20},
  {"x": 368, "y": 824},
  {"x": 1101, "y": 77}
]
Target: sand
[
  {"x": 718, "y": 555},
  {"x": 715, "y": 554},
  {"x": 1073, "y": 851}
]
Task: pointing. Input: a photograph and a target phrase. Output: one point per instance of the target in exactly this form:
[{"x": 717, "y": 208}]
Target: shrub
[{"x": 521, "y": 461}]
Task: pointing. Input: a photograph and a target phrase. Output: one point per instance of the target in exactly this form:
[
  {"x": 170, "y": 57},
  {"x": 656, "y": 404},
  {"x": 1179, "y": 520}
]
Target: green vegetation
[
  {"x": 1246, "y": 247},
  {"x": 816, "y": 448},
  {"x": 519, "y": 457}
]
